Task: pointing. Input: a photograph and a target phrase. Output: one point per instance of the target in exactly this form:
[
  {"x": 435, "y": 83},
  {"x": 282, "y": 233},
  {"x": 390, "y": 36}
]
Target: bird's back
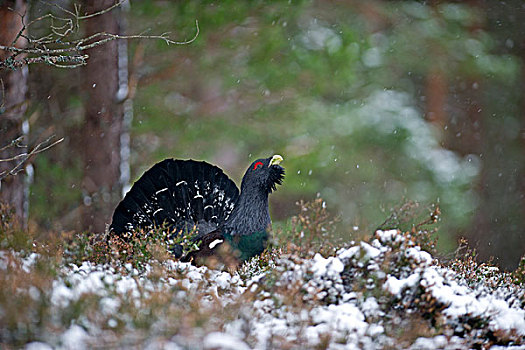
[{"x": 180, "y": 194}]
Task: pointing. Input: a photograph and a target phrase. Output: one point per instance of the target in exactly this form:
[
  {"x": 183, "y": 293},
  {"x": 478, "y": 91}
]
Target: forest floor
[{"x": 385, "y": 292}]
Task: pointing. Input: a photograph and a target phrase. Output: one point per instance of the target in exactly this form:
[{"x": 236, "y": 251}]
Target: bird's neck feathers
[
  {"x": 247, "y": 227},
  {"x": 250, "y": 214}
]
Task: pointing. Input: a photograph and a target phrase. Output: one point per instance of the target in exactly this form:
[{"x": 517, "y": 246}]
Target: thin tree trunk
[
  {"x": 103, "y": 122},
  {"x": 436, "y": 88},
  {"x": 13, "y": 89},
  {"x": 125, "y": 93},
  {"x": 436, "y": 92},
  {"x": 522, "y": 134}
]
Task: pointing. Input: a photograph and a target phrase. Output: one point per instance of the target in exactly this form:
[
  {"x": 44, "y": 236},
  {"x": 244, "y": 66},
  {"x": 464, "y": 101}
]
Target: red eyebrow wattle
[{"x": 257, "y": 164}]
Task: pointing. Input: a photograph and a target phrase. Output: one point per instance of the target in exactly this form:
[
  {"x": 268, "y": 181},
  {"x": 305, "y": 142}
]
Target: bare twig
[
  {"x": 20, "y": 33},
  {"x": 100, "y": 12},
  {"x": 14, "y": 143},
  {"x": 22, "y": 158},
  {"x": 106, "y": 38},
  {"x": 58, "y": 50}
]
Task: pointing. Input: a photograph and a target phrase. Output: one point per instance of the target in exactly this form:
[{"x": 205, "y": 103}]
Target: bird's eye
[{"x": 257, "y": 165}]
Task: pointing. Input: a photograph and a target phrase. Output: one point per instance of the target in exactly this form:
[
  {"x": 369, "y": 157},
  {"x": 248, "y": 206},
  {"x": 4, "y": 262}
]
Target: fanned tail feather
[{"x": 180, "y": 194}]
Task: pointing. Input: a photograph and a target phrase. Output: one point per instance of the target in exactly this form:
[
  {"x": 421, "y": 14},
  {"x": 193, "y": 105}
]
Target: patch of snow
[
  {"x": 162, "y": 345},
  {"x": 36, "y": 345},
  {"x": 109, "y": 305},
  {"x": 61, "y": 295},
  {"x": 419, "y": 256},
  {"x": 28, "y": 262},
  {"x": 330, "y": 267},
  {"x": 438, "y": 342},
  {"x": 371, "y": 308},
  {"x": 375, "y": 330},
  {"x": 343, "y": 317},
  {"x": 395, "y": 286},
  {"x": 224, "y": 341},
  {"x": 388, "y": 236},
  {"x": 462, "y": 301},
  {"x": 223, "y": 280},
  {"x": 348, "y": 253},
  {"x": 370, "y": 252},
  {"x": 75, "y": 338}
]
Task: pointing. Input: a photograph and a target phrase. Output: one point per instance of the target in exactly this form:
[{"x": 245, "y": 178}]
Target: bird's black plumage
[{"x": 185, "y": 194}]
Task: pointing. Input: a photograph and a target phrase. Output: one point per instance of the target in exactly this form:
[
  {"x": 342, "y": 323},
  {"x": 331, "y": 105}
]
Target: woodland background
[{"x": 371, "y": 103}]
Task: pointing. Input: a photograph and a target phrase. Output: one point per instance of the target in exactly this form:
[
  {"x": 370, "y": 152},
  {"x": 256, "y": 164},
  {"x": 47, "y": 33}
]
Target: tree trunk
[
  {"x": 436, "y": 87},
  {"x": 103, "y": 121},
  {"x": 436, "y": 92},
  {"x": 522, "y": 134},
  {"x": 13, "y": 89}
]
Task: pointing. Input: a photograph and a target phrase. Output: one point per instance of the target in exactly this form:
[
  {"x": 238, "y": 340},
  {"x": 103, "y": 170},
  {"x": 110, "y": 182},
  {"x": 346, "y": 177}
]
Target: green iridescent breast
[{"x": 248, "y": 245}]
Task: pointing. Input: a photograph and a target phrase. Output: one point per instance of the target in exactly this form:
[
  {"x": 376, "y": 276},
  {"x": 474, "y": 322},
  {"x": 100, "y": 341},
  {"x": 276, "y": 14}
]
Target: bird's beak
[{"x": 276, "y": 160}]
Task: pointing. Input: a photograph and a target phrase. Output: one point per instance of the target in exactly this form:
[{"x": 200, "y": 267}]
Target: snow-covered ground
[{"x": 387, "y": 293}]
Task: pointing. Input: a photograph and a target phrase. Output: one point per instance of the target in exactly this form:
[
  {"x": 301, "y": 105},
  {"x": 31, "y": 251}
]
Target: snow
[
  {"x": 348, "y": 253},
  {"x": 463, "y": 302},
  {"x": 437, "y": 342},
  {"x": 371, "y": 308},
  {"x": 370, "y": 252},
  {"x": 37, "y": 346},
  {"x": 329, "y": 267},
  {"x": 223, "y": 341},
  {"x": 346, "y": 300},
  {"x": 388, "y": 236},
  {"x": 396, "y": 286},
  {"x": 75, "y": 338},
  {"x": 343, "y": 317},
  {"x": 420, "y": 257}
]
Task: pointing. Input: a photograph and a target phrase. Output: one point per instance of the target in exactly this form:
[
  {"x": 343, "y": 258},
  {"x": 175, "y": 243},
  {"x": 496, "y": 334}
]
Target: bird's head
[{"x": 264, "y": 174}]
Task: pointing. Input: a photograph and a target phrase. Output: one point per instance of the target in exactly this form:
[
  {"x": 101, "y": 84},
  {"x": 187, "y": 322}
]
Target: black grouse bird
[{"x": 190, "y": 196}]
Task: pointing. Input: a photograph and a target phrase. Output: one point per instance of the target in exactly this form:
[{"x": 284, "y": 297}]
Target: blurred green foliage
[{"x": 337, "y": 88}]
